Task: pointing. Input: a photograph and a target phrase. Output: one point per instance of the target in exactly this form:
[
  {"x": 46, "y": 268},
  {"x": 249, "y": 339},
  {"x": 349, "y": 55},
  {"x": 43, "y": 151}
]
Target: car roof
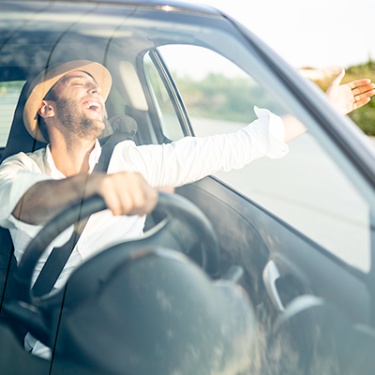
[
  {"x": 23, "y": 33},
  {"x": 170, "y": 5}
]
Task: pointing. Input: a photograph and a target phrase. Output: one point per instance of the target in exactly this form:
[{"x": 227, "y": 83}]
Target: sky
[{"x": 315, "y": 33}]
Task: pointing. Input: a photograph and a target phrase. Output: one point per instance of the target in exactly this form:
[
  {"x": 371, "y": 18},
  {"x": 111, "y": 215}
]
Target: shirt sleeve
[
  {"x": 17, "y": 174},
  {"x": 190, "y": 159},
  {"x": 274, "y": 129}
]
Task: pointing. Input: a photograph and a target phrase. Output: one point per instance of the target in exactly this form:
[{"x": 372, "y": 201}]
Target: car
[{"x": 296, "y": 233}]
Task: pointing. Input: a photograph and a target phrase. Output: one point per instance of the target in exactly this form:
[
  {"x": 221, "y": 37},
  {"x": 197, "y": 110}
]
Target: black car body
[{"x": 301, "y": 227}]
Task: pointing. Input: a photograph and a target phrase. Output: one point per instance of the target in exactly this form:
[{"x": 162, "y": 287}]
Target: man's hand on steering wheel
[{"x": 126, "y": 193}]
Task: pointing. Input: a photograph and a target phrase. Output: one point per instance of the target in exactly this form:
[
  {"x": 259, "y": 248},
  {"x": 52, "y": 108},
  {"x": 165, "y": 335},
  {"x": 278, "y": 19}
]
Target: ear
[{"x": 47, "y": 110}]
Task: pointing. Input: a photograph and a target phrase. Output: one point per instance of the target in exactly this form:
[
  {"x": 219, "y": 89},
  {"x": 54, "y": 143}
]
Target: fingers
[
  {"x": 368, "y": 89},
  {"x": 127, "y": 193},
  {"x": 361, "y": 102},
  {"x": 362, "y": 94},
  {"x": 337, "y": 80},
  {"x": 360, "y": 83}
]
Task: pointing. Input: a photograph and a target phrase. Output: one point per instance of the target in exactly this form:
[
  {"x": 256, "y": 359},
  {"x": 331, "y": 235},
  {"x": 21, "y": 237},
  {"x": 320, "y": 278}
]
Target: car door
[{"x": 301, "y": 226}]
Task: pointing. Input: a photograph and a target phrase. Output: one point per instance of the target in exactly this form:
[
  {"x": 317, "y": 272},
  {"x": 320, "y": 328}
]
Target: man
[{"x": 65, "y": 105}]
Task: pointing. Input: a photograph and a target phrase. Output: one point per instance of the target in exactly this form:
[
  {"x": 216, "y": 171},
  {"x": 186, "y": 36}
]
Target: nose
[{"x": 94, "y": 89}]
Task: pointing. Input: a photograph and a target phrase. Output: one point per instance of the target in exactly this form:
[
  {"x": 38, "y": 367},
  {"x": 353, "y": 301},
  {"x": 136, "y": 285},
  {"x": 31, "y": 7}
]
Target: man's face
[{"x": 79, "y": 105}]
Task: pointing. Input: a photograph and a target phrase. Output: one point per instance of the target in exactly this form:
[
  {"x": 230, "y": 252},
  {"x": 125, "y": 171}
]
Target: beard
[{"x": 71, "y": 117}]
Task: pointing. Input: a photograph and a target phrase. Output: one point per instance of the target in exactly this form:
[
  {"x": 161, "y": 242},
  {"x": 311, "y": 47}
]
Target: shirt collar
[{"x": 56, "y": 174}]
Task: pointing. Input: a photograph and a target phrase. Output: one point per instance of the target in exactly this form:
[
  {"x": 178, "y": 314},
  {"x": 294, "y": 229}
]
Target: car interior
[{"x": 314, "y": 311}]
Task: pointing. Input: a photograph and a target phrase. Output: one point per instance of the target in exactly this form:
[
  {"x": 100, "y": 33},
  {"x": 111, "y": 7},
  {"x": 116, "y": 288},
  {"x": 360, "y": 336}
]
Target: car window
[
  {"x": 307, "y": 189},
  {"x": 166, "y": 113},
  {"x": 9, "y": 93}
]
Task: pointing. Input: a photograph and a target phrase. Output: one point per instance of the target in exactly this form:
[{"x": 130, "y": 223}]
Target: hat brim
[{"x": 48, "y": 77}]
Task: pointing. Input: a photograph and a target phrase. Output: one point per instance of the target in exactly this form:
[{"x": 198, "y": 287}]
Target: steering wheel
[{"x": 183, "y": 228}]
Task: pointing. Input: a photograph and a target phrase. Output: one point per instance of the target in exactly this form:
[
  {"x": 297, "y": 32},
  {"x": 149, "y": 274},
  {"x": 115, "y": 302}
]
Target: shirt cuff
[{"x": 277, "y": 148}]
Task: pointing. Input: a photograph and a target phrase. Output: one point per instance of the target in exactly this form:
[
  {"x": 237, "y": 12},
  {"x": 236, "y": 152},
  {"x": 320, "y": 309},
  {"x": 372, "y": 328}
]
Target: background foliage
[{"x": 227, "y": 98}]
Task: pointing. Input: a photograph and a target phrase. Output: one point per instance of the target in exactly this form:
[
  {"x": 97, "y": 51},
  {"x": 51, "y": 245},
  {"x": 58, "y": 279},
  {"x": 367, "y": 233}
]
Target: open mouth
[{"x": 94, "y": 106}]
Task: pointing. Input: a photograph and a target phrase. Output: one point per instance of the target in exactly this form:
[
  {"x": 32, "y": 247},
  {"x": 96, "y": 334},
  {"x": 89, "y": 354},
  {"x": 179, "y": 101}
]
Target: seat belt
[{"x": 59, "y": 256}]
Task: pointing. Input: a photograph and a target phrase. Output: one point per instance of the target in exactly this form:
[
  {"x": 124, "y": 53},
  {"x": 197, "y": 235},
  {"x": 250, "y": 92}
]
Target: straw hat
[{"x": 48, "y": 77}]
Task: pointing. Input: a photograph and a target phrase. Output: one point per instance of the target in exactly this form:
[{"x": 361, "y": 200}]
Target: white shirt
[{"x": 175, "y": 164}]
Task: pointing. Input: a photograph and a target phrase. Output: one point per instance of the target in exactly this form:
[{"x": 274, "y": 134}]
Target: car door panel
[{"x": 257, "y": 239}]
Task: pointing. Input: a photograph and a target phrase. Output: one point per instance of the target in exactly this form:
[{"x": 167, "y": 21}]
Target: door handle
[{"x": 270, "y": 276}]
